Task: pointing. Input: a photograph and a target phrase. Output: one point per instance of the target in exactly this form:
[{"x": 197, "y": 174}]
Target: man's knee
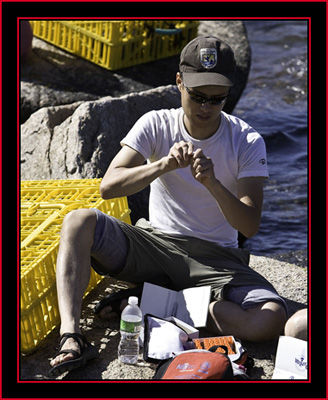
[
  {"x": 297, "y": 325},
  {"x": 267, "y": 322},
  {"x": 79, "y": 222}
]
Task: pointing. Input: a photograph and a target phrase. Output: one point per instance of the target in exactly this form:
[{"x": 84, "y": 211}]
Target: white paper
[
  {"x": 192, "y": 332},
  {"x": 157, "y": 300},
  {"x": 193, "y": 305},
  {"x": 291, "y": 359},
  {"x": 189, "y": 305}
]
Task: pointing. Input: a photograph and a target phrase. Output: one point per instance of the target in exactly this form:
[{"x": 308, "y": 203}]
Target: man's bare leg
[
  {"x": 258, "y": 324},
  {"x": 73, "y": 273}
]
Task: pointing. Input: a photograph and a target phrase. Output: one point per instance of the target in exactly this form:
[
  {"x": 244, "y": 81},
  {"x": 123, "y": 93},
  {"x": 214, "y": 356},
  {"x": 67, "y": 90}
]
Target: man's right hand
[{"x": 181, "y": 153}]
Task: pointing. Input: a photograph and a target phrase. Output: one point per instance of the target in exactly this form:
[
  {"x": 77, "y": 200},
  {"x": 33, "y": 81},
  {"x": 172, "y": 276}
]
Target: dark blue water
[{"x": 275, "y": 103}]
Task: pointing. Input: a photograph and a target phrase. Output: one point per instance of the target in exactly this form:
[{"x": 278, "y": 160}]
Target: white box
[{"x": 291, "y": 359}]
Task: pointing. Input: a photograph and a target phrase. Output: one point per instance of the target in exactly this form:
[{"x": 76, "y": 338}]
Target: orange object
[{"x": 207, "y": 343}]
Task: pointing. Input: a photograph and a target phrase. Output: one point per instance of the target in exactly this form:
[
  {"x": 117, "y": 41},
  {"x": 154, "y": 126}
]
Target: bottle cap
[{"x": 133, "y": 300}]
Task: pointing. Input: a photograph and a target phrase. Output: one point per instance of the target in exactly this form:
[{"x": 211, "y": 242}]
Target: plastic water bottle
[{"x": 128, "y": 349}]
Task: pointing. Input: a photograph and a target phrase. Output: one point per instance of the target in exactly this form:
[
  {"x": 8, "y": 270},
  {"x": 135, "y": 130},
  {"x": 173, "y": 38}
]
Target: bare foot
[
  {"x": 107, "y": 312},
  {"x": 70, "y": 344}
]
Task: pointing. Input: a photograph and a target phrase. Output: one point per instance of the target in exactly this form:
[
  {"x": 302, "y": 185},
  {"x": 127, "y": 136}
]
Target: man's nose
[{"x": 206, "y": 106}]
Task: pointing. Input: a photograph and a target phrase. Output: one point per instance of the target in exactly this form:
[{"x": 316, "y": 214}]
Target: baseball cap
[{"x": 207, "y": 60}]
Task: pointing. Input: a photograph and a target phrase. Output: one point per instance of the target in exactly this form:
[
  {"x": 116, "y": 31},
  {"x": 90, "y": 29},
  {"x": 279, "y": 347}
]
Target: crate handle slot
[{"x": 175, "y": 31}]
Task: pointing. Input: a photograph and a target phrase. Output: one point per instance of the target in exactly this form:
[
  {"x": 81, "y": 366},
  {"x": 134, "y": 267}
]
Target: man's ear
[{"x": 179, "y": 81}]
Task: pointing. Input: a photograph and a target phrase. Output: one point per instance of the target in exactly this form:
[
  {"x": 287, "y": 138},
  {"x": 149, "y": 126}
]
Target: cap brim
[{"x": 196, "y": 79}]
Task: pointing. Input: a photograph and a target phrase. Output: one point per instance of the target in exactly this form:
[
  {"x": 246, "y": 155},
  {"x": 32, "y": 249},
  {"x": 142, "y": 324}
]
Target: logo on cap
[{"x": 208, "y": 58}]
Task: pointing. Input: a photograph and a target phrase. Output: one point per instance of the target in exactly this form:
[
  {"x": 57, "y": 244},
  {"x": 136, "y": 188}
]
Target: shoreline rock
[{"x": 50, "y": 76}]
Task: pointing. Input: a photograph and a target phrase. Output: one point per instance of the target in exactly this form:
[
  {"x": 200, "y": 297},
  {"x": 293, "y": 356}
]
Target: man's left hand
[{"x": 202, "y": 168}]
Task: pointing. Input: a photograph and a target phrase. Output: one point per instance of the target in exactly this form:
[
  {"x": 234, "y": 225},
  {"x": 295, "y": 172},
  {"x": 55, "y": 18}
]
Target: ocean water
[{"x": 275, "y": 103}]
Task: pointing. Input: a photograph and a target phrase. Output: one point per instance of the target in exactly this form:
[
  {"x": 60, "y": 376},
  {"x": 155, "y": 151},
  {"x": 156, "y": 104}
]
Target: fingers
[
  {"x": 198, "y": 154},
  {"x": 202, "y": 167},
  {"x": 182, "y": 152},
  {"x": 200, "y": 163}
]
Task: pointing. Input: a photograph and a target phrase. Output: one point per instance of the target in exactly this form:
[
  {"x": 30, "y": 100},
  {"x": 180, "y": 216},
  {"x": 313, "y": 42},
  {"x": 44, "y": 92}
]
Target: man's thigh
[
  {"x": 252, "y": 296},
  {"x": 110, "y": 245}
]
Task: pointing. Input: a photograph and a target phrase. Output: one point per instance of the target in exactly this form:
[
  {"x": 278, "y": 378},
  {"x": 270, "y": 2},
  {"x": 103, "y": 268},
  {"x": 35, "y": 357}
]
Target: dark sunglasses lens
[
  {"x": 202, "y": 100},
  {"x": 216, "y": 102},
  {"x": 196, "y": 98}
]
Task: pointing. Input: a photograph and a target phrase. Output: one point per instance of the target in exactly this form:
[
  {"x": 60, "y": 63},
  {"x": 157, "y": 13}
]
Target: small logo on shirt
[{"x": 262, "y": 161}]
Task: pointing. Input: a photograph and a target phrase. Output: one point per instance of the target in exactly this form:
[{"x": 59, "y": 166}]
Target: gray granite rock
[{"x": 50, "y": 76}]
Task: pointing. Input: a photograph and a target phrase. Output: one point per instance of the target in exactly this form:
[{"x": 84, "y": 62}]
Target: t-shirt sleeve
[
  {"x": 142, "y": 136},
  {"x": 253, "y": 156}
]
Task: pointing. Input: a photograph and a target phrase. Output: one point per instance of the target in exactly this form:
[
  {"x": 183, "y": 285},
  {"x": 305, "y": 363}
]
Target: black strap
[{"x": 215, "y": 347}]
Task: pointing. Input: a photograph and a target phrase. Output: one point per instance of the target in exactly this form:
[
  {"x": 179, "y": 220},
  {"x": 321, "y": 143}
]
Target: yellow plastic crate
[
  {"x": 118, "y": 44},
  {"x": 33, "y": 216},
  {"x": 46, "y": 184},
  {"x": 44, "y": 205}
]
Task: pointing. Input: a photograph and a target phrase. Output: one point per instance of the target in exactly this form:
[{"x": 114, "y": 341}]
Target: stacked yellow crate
[
  {"x": 117, "y": 44},
  {"x": 44, "y": 205}
]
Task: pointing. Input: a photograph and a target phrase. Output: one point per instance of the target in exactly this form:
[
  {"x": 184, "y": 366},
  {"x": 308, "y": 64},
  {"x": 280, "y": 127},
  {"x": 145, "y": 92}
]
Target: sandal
[
  {"x": 115, "y": 299},
  {"x": 87, "y": 352}
]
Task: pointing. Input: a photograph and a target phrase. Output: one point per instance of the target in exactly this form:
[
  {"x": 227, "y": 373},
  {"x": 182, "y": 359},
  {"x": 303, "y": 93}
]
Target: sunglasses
[{"x": 214, "y": 101}]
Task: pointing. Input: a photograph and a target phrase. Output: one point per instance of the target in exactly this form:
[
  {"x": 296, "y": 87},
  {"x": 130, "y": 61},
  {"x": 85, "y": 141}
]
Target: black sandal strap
[
  {"x": 114, "y": 299},
  {"x": 88, "y": 352},
  {"x": 79, "y": 339},
  {"x": 68, "y": 351}
]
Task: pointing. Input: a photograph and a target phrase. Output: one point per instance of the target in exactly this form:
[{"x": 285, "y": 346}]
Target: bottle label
[{"x": 131, "y": 327}]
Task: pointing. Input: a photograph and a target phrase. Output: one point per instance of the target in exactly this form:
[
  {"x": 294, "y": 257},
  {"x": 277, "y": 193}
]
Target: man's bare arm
[
  {"x": 127, "y": 173},
  {"x": 242, "y": 212}
]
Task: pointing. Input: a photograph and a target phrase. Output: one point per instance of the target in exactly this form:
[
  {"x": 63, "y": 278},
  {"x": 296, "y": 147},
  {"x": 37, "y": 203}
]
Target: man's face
[{"x": 200, "y": 115}]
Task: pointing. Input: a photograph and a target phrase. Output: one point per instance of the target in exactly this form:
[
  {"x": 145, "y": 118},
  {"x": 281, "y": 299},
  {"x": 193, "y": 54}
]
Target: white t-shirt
[{"x": 178, "y": 203}]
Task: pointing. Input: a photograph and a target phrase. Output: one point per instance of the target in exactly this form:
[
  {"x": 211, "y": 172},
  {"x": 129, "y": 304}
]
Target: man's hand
[
  {"x": 202, "y": 168},
  {"x": 243, "y": 212},
  {"x": 181, "y": 154}
]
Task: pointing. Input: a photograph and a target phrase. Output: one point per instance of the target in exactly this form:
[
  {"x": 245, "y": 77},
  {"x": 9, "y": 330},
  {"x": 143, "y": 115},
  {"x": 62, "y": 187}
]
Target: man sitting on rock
[{"x": 206, "y": 169}]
